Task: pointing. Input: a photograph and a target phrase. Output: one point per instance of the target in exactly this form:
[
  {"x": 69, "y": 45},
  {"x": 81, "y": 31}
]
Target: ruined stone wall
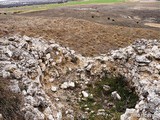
[{"x": 46, "y": 74}]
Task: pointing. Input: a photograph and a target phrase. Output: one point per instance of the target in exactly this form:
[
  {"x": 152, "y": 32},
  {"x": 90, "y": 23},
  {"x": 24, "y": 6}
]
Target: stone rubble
[{"x": 39, "y": 65}]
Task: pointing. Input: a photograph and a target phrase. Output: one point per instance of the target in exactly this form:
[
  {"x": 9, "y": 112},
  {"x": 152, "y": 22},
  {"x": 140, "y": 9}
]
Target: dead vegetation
[
  {"x": 87, "y": 38},
  {"x": 10, "y": 102},
  {"x": 88, "y": 29}
]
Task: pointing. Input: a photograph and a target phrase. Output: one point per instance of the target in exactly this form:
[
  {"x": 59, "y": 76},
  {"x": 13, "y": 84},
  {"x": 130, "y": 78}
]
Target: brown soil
[{"x": 88, "y": 29}]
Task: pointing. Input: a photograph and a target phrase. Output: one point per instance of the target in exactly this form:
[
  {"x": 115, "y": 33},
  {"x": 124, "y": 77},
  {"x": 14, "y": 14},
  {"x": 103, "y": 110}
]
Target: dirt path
[{"x": 91, "y": 29}]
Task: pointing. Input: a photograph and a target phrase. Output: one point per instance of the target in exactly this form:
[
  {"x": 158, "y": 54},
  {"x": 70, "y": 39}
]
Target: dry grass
[
  {"x": 87, "y": 38},
  {"x": 9, "y": 102}
]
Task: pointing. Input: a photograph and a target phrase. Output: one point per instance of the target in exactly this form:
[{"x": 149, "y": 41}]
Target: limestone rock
[
  {"x": 106, "y": 87},
  {"x": 115, "y": 95},
  {"x": 43, "y": 66},
  {"x": 142, "y": 59},
  {"x": 1, "y": 117},
  {"x": 130, "y": 114},
  {"x": 85, "y": 94},
  {"x": 17, "y": 74},
  {"x": 66, "y": 85},
  {"x": 9, "y": 53},
  {"x": 48, "y": 56},
  {"x": 101, "y": 112},
  {"x": 50, "y": 117},
  {"x": 54, "y": 89},
  {"x": 5, "y": 74}
]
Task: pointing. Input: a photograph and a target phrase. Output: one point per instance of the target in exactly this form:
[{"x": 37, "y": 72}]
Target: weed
[{"x": 113, "y": 108}]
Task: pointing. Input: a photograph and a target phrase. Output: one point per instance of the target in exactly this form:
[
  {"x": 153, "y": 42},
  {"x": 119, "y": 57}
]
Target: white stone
[
  {"x": 128, "y": 114},
  {"x": 101, "y": 112},
  {"x": 48, "y": 56},
  {"x": 158, "y": 67},
  {"x": 157, "y": 55},
  {"x": 10, "y": 53},
  {"x": 59, "y": 115},
  {"x": 24, "y": 92},
  {"x": 144, "y": 82},
  {"x": 71, "y": 84},
  {"x": 142, "y": 59},
  {"x": 57, "y": 99},
  {"x": 38, "y": 115},
  {"x": 51, "y": 79},
  {"x": 66, "y": 85},
  {"x": 17, "y": 74},
  {"x": 106, "y": 87},
  {"x": 89, "y": 67},
  {"x": 5, "y": 74},
  {"x": 10, "y": 67},
  {"x": 54, "y": 89},
  {"x": 1, "y": 117},
  {"x": 86, "y": 109},
  {"x": 85, "y": 94},
  {"x": 115, "y": 95},
  {"x": 50, "y": 117},
  {"x": 70, "y": 69},
  {"x": 156, "y": 115},
  {"x": 26, "y": 38},
  {"x": 72, "y": 52},
  {"x": 43, "y": 67},
  {"x": 47, "y": 111}
]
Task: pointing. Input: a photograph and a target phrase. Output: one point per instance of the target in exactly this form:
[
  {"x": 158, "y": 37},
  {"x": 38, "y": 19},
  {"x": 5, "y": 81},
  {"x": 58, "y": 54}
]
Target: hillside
[{"x": 80, "y": 62}]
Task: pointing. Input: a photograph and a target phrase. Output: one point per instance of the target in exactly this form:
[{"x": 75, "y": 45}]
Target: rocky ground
[
  {"x": 81, "y": 63},
  {"x": 54, "y": 81}
]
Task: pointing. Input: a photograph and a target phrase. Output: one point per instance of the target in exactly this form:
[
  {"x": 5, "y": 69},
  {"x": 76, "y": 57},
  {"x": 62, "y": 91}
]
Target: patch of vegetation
[
  {"x": 93, "y": 1},
  {"x": 32, "y": 8},
  {"x": 9, "y": 102},
  {"x": 102, "y": 99}
]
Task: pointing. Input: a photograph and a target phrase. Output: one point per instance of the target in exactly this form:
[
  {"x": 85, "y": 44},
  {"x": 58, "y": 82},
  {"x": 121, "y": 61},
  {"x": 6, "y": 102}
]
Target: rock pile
[{"x": 50, "y": 76}]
